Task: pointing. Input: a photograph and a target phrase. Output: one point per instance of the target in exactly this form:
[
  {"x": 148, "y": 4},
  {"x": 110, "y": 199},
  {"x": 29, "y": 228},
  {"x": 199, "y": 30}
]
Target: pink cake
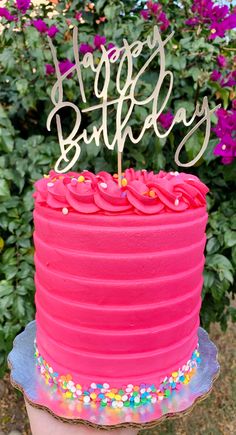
[{"x": 118, "y": 283}]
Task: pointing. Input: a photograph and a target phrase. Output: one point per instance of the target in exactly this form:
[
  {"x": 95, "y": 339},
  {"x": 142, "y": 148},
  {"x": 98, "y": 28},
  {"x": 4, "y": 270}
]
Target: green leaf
[
  {"x": 234, "y": 255},
  {"x": 219, "y": 262},
  {"x": 230, "y": 238},
  {"x": 4, "y": 190},
  {"x": 5, "y": 288},
  {"x": 213, "y": 245},
  {"x": 22, "y": 86},
  {"x": 209, "y": 278},
  {"x": 19, "y": 307}
]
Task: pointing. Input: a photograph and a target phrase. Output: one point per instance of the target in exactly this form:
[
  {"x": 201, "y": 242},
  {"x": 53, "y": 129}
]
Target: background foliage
[{"x": 28, "y": 150}]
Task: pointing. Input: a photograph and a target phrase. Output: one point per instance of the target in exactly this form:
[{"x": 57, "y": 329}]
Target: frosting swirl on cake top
[{"x": 142, "y": 192}]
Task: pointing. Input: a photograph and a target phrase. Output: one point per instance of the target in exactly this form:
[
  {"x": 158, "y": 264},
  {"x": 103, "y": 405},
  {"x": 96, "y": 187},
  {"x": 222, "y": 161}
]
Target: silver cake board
[{"x": 26, "y": 378}]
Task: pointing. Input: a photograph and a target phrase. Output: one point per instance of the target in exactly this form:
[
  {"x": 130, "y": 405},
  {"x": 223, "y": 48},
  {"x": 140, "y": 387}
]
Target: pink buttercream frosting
[{"x": 142, "y": 192}]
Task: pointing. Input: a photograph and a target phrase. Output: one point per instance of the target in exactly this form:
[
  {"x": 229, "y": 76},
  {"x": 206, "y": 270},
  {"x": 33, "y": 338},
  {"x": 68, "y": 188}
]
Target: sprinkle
[
  {"x": 152, "y": 194},
  {"x": 74, "y": 181},
  {"x": 127, "y": 396},
  {"x": 223, "y": 147},
  {"x": 65, "y": 211},
  {"x": 46, "y": 176},
  {"x": 177, "y": 202},
  {"x": 50, "y": 184},
  {"x": 176, "y": 173},
  {"x": 115, "y": 175},
  {"x": 124, "y": 182},
  {"x": 86, "y": 399},
  {"x": 81, "y": 179},
  {"x": 103, "y": 185}
]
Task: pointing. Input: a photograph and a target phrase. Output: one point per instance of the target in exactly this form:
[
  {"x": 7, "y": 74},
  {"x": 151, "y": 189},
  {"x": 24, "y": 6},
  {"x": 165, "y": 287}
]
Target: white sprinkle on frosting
[
  {"x": 65, "y": 210},
  {"x": 223, "y": 147},
  {"x": 103, "y": 185},
  {"x": 50, "y": 184},
  {"x": 176, "y": 202}
]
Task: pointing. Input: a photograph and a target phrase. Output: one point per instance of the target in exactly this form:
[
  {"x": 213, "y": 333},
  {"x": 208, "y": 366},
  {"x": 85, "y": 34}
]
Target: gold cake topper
[{"x": 126, "y": 91}]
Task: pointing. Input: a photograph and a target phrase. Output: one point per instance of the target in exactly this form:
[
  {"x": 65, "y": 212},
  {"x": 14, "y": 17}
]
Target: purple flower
[
  {"x": 230, "y": 22},
  {"x": 215, "y": 75},
  {"x": 165, "y": 119},
  {"x": 99, "y": 40},
  {"x": 165, "y": 22},
  {"x": 192, "y": 21},
  {"x": 40, "y": 25},
  {"x": 222, "y": 61},
  {"x": 155, "y": 8},
  {"x": 49, "y": 69},
  {"x": 23, "y": 5},
  {"x": 218, "y": 19},
  {"x": 64, "y": 66},
  {"x": 78, "y": 15},
  {"x": 109, "y": 47},
  {"x": 85, "y": 48},
  {"x": 4, "y": 12},
  {"x": 52, "y": 31},
  {"x": 227, "y": 160},
  {"x": 228, "y": 81},
  {"x": 144, "y": 13},
  {"x": 217, "y": 30},
  {"x": 226, "y": 132}
]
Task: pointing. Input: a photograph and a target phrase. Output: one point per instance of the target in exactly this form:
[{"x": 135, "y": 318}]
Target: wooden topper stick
[{"x": 119, "y": 165}]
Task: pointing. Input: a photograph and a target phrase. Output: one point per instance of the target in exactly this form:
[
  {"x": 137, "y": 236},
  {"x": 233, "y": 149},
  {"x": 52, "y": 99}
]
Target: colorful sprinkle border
[{"x": 126, "y": 396}]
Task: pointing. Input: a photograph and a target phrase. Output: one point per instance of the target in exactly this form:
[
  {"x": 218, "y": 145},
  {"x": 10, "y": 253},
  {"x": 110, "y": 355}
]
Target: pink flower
[
  {"x": 215, "y": 75},
  {"x": 40, "y": 25},
  {"x": 64, "y": 66},
  {"x": 52, "y": 31},
  {"x": 222, "y": 61},
  {"x": 145, "y": 14},
  {"x": 99, "y": 40},
  {"x": 85, "y": 48},
  {"x": 22, "y": 5},
  {"x": 49, "y": 69},
  {"x": 165, "y": 119},
  {"x": 4, "y": 13}
]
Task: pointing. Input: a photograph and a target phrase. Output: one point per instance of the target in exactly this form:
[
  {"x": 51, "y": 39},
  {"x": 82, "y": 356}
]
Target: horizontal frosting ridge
[{"x": 118, "y": 308}]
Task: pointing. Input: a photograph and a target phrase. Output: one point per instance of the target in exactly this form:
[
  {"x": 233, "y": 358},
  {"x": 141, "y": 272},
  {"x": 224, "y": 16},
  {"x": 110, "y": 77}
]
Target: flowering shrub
[{"x": 202, "y": 57}]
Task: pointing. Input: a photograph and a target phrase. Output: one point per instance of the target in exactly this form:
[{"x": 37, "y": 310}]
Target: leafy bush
[{"x": 28, "y": 150}]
